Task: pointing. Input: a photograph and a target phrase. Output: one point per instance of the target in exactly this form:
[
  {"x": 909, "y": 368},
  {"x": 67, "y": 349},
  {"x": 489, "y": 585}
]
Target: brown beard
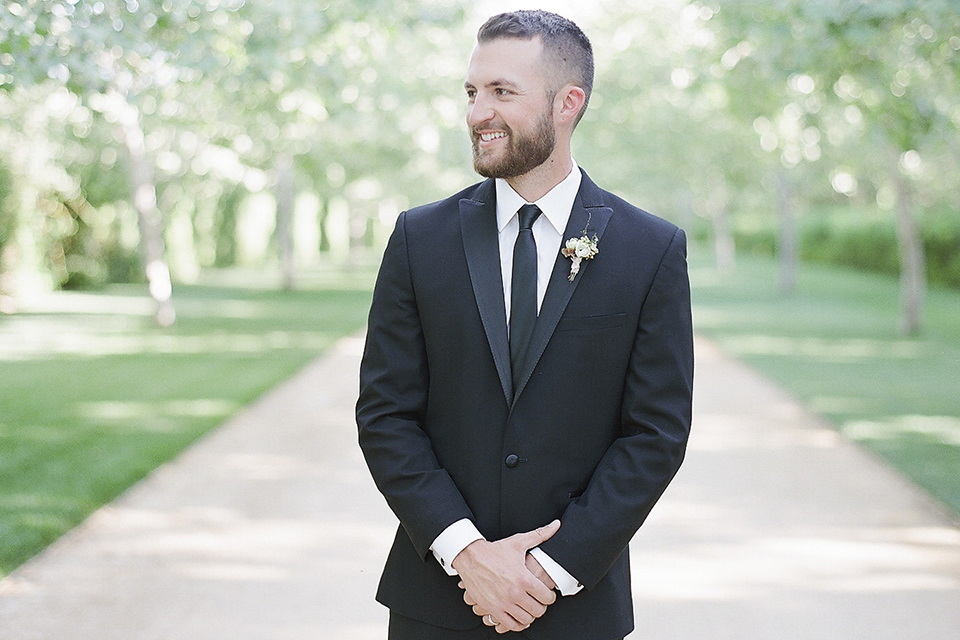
[{"x": 524, "y": 152}]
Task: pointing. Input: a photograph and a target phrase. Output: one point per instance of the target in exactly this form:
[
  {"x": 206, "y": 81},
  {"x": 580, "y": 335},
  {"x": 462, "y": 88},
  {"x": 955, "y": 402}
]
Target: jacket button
[{"x": 512, "y": 461}]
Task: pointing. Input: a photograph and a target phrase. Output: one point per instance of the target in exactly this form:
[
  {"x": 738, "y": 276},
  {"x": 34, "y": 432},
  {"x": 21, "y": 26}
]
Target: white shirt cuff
[
  {"x": 452, "y": 541},
  {"x": 566, "y": 583}
]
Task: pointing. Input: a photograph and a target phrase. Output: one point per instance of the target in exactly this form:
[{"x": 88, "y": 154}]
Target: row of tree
[
  {"x": 172, "y": 111},
  {"x": 780, "y": 106},
  {"x": 147, "y": 131}
]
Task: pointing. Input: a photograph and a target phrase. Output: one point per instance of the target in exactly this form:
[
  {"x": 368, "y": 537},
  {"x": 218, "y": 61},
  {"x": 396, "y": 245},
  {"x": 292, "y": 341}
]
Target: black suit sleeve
[
  {"x": 394, "y": 378},
  {"x": 655, "y": 424}
]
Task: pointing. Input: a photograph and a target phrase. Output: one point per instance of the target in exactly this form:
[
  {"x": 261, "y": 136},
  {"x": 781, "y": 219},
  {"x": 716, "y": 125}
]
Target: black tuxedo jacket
[{"x": 593, "y": 434}]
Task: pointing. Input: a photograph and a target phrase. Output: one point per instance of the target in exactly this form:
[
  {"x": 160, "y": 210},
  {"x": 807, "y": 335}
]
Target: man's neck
[{"x": 538, "y": 182}]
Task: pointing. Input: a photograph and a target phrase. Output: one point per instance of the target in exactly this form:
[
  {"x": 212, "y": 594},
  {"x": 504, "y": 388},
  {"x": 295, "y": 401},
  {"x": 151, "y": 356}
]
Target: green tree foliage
[
  {"x": 236, "y": 118},
  {"x": 869, "y": 86},
  {"x": 191, "y": 105}
]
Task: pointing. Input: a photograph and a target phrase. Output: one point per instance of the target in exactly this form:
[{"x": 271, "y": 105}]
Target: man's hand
[
  {"x": 498, "y": 582},
  {"x": 536, "y": 569},
  {"x": 533, "y": 567}
]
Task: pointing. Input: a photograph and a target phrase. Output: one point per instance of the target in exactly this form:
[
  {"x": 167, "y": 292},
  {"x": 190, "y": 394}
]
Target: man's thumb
[{"x": 531, "y": 539}]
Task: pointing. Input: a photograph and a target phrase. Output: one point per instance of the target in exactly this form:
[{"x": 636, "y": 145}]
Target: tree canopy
[{"x": 185, "y": 134}]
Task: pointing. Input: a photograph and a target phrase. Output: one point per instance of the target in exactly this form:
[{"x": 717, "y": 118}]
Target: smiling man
[
  {"x": 525, "y": 390},
  {"x": 501, "y": 148}
]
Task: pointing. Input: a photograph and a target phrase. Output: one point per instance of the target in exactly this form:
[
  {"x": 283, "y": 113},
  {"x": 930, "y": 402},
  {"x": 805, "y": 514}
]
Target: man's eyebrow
[{"x": 499, "y": 82}]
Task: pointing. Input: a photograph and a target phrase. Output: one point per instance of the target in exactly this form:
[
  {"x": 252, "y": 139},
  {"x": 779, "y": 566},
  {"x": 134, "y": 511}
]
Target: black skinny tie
[{"x": 523, "y": 290}]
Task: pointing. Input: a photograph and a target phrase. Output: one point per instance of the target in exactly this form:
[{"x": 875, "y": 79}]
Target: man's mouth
[{"x": 492, "y": 135}]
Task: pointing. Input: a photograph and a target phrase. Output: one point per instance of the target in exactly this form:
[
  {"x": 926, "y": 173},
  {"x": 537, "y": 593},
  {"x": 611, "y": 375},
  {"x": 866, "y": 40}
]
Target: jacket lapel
[
  {"x": 588, "y": 213},
  {"x": 478, "y": 225}
]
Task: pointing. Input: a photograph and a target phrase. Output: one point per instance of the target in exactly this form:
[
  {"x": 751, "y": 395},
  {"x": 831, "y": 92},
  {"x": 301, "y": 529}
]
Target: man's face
[{"x": 509, "y": 111}]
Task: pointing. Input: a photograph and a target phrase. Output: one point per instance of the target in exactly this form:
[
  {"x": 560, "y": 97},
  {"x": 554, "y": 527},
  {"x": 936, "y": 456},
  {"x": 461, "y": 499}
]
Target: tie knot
[{"x": 528, "y": 214}]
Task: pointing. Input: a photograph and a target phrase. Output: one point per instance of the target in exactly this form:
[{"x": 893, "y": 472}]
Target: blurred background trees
[{"x": 149, "y": 139}]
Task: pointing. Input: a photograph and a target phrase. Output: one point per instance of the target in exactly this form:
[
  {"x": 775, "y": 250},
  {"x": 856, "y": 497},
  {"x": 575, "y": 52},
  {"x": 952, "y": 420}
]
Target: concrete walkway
[{"x": 270, "y": 528}]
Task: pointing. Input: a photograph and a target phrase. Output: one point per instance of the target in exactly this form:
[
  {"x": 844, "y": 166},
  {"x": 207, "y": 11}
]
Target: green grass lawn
[
  {"x": 94, "y": 396},
  {"x": 834, "y": 344}
]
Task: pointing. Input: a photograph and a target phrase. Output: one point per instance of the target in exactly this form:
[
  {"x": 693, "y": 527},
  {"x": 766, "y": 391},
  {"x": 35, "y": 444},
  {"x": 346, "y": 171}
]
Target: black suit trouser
[{"x": 403, "y": 628}]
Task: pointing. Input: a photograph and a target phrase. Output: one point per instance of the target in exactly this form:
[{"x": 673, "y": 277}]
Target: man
[{"x": 526, "y": 384}]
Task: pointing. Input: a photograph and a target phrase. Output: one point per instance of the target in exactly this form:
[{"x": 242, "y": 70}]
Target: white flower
[{"x": 578, "y": 249}]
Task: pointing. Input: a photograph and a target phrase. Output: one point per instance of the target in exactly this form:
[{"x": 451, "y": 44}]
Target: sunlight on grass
[
  {"x": 172, "y": 408},
  {"x": 77, "y": 302},
  {"x": 942, "y": 429},
  {"x": 56, "y": 344},
  {"x": 925, "y": 447},
  {"x": 834, "y": 344},
  {"x": 849, "y": 350},
  {"x": 95, "y": 396}
]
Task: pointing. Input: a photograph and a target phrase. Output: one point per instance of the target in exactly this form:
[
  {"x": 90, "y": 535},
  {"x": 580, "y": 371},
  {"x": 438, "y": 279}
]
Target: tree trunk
[
  {"x": 324, "y": 239},
  {"x": 225, "y": 228},
  {"x": 144, "y": 193},
  {"x": 285, "y": 205},
  {"x": 788, "y": 241},
  {"x": 913, "y": 276}
]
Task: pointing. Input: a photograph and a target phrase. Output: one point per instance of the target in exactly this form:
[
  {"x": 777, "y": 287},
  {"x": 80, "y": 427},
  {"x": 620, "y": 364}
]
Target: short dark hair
[{"x": 565, "y": 46}]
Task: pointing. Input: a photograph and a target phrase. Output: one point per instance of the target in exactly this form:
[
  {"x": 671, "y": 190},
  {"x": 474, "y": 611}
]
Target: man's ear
[{"x": 568, "y": 103}]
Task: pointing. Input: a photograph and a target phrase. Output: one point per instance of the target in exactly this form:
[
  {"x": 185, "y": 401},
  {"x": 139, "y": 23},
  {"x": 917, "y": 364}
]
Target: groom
[{"x": 525, "y": 390}]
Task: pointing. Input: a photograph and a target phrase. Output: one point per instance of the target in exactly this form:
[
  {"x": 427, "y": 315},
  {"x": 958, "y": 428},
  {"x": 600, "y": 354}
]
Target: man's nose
[{"x": 479, "y": 111}]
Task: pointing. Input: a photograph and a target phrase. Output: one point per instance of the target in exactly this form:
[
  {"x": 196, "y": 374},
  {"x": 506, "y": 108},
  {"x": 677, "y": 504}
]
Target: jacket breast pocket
[{"x": 592, "y": 323}]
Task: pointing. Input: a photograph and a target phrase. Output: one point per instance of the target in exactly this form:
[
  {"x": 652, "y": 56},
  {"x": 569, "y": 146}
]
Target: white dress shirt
[{"x": 548, "y": 230}]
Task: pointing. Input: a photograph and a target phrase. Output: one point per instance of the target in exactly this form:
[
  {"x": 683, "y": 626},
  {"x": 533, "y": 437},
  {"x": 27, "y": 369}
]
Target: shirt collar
[{"x": 555, "y": 205}]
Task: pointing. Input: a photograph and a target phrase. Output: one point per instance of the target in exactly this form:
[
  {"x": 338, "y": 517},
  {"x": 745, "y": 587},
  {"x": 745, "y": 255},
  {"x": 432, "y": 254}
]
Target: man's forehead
[
  {"x": 504, "y": 61},
  {"x": 510, "y": 46}
]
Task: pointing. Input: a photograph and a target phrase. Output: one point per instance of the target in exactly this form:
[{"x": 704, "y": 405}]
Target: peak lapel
[
  {"x": 478, "y": 225},
  {"x": 588, "y": 213}
]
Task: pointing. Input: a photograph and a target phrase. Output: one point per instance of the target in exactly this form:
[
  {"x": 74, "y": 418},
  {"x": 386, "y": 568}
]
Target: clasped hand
[{"x": 503, "y": 583}]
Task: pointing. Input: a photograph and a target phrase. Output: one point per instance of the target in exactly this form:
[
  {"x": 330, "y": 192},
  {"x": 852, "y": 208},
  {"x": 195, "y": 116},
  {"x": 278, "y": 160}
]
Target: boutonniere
[{"x": 578, "y": 250}]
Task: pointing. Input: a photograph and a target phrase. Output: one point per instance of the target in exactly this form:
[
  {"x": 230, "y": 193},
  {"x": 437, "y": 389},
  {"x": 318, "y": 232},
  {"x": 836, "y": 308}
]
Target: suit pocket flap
[{"x": 586, "y": 323}]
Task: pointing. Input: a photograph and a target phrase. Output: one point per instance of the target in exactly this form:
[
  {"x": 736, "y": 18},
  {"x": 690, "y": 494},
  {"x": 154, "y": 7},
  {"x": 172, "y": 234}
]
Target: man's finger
[
  {"x": 511, "y": 621},
  {"x": 511, "y": 625},
  {"x": 535, "y": 538},
  {"x": 541, "y": 594},
  {"x": 534, "y": 567},
  {"x": 534, "y": 608}
]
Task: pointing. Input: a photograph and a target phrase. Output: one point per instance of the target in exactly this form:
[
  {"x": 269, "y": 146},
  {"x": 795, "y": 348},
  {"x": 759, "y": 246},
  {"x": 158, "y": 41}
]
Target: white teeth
[{"x": 487, "y": 137}]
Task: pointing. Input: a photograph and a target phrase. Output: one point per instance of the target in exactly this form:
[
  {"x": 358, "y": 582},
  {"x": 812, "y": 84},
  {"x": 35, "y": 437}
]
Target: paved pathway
[{"x": 270, "y": 529}]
